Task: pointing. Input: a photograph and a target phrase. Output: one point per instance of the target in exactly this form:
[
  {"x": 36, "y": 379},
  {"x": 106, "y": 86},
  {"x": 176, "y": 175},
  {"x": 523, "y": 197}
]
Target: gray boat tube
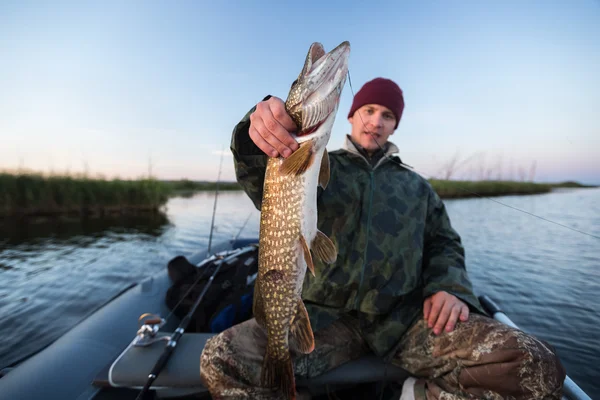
[
  {"x": 65, "y": 369},
  {"x": 571, "y": 391}
]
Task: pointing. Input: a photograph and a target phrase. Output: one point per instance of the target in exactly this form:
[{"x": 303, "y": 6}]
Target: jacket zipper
[{"x": 362, "y": 273}]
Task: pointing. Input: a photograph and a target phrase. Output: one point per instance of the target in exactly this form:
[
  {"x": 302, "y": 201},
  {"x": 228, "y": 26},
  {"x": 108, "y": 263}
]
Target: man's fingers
[
  {"x": 277, "y": 136},
  {"x": 268, "y": 124},
  {"x": 262, "y": 143},
  {"x": 453, "y": 317},
  {"x": 436, "y": 307},
  {"x": 443, "y": 310},
  {"x": 443, "y": 317},
  {"x": 426, "y": 308},
  {"x": 265, "y": 133},
  {"x": 281, "y": 116},
  {"x": 464, "y": 313}
]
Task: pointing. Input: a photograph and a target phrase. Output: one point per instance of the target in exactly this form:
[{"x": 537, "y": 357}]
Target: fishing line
[
  {"x": 235, "y": 238},
  {"x": 212, "y": 224},
  {"x": 461, "y": 188}
]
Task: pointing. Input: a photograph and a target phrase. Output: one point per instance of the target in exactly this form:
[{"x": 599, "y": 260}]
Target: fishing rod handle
[{"x": 160, "y": 364}]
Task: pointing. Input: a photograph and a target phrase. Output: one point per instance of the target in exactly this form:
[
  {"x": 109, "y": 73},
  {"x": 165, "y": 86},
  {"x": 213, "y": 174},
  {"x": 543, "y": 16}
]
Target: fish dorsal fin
[
  {"x": 324, "y": 248},
  {"x": 307, "y": 255},
  {"x": 299, "y": 161},
  {"x": 301, "y": 332},
  {"x": 324, "y": 172}
]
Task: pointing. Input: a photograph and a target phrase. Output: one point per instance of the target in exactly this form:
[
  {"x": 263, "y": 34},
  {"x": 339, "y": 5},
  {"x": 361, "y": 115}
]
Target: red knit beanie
[{"x": 382, "y": 91}]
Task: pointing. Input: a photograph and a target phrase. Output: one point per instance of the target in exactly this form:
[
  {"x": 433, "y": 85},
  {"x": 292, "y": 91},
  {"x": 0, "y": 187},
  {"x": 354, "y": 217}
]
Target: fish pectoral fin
[
  {"x": 278, "y": 373},
  {"x": 299, "y": 161},
  {"x": 324, "y": 172},
  {"x": 307, "y": 255},
  {"x": 301, "y": 332},
  {"x": 324, "y": 248}
]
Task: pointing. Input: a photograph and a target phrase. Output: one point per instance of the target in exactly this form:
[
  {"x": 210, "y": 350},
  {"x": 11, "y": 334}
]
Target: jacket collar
[{"x": 389, "y": 149}]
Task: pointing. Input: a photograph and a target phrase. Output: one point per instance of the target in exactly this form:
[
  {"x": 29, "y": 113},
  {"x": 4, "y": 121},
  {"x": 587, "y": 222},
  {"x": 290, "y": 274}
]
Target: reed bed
[
  {"x": 449, "y": 189},
  {"x": 35, "y": 194},
  {"x": 186, "y": 185}
]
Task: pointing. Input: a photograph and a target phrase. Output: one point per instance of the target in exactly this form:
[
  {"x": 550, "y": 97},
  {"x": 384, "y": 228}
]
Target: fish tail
[{"x": 279, "y": 373}]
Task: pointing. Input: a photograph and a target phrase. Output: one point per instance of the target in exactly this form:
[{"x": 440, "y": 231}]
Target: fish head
[{"x": 314, "y": 97}]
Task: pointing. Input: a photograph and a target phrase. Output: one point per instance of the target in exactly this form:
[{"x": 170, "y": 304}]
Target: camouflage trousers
[{"x": 480, "y": 359}]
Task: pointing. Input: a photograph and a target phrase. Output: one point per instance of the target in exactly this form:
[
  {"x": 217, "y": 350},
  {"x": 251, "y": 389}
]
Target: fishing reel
[{"x": 150, "y": 324}]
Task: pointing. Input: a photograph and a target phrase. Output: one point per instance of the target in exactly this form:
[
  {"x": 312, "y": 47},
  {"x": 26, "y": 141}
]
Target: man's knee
[
  {"x": 235, "y": 352},
  {"x": 215, "y": 346},
  {"x": 539, "y": 368},
  {"x": 529, "y": 367},
  {"x": 214, "y": 353}
]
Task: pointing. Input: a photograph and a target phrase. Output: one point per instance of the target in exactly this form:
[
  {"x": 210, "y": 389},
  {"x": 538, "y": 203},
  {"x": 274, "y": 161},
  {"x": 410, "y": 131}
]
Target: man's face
[{"x": 373, "y": 118}]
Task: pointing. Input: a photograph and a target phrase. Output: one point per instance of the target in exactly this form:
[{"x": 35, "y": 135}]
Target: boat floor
[
  {"x": 359, "y": 391},
  {"x": 181, "y": 376}
]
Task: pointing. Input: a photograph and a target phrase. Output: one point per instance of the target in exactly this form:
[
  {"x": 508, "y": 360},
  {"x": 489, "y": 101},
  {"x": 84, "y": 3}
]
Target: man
[{"x": 399, "y": 287}]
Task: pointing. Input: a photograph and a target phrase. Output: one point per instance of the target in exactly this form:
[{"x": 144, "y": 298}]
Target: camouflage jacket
[{"x": 395, "y": 243}]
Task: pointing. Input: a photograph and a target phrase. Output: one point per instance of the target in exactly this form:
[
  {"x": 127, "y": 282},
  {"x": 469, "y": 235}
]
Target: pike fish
[{"x": 288, "y": 221}]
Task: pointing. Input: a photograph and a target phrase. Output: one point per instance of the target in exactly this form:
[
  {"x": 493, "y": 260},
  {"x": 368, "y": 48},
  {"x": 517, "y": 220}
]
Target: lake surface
[{"x": 544, "y": 276}]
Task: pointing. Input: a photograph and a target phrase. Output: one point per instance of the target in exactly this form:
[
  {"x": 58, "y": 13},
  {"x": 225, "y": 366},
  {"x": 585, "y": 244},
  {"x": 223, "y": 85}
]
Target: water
[{"x": 544, "y": 276}]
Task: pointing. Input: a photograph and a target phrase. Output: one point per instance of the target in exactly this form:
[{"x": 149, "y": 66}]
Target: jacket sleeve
[
  {"x": 249, "y": 161},
  {"x": 444, "y": 256}
]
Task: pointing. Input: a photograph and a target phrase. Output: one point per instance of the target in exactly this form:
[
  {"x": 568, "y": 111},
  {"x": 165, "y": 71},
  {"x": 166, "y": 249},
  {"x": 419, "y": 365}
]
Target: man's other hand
[{"x": 442, "y": 310}]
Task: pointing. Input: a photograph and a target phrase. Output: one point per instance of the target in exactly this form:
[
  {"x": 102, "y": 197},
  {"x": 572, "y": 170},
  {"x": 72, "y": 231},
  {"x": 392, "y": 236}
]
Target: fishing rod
[
  {"x": 173, "y": 340},
  {"x": 222, "y": 258}
]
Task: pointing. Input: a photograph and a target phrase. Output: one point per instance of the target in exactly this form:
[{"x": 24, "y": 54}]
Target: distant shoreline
[
  {"x": 31, "y": 195},
  {"x": 451, "y": 189}
]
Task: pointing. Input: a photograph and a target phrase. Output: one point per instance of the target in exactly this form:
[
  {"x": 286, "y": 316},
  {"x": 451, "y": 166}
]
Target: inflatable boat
[{"x": 110, "y": 354}]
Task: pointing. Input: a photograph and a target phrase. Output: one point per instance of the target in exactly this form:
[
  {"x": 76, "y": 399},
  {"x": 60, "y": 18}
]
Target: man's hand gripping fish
[{"x": 288, "y": 221}]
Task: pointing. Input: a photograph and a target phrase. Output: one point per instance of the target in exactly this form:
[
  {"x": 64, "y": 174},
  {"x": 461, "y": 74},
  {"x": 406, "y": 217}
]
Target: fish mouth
[{"x": 323, "y": 77}]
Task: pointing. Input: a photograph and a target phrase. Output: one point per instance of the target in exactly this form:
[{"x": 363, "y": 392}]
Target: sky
[{"x": 500, "y": 89}]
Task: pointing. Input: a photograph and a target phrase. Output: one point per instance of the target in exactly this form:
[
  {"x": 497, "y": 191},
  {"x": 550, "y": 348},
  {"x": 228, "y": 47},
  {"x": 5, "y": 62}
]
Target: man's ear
[{"x": 395, "y": 129}]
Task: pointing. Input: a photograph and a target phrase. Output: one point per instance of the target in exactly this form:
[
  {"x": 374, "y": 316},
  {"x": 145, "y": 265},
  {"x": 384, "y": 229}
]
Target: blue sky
[{"x": 112, "y": 88}]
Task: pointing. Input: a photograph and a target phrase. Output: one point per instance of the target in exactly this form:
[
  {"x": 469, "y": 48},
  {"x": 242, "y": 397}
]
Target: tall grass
[
  {"x": 462, "y": 189},
  {"x": 36, "y": 194},
  {"x": 31, "y": 193},
  {"x": 186, "y": 185}
]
